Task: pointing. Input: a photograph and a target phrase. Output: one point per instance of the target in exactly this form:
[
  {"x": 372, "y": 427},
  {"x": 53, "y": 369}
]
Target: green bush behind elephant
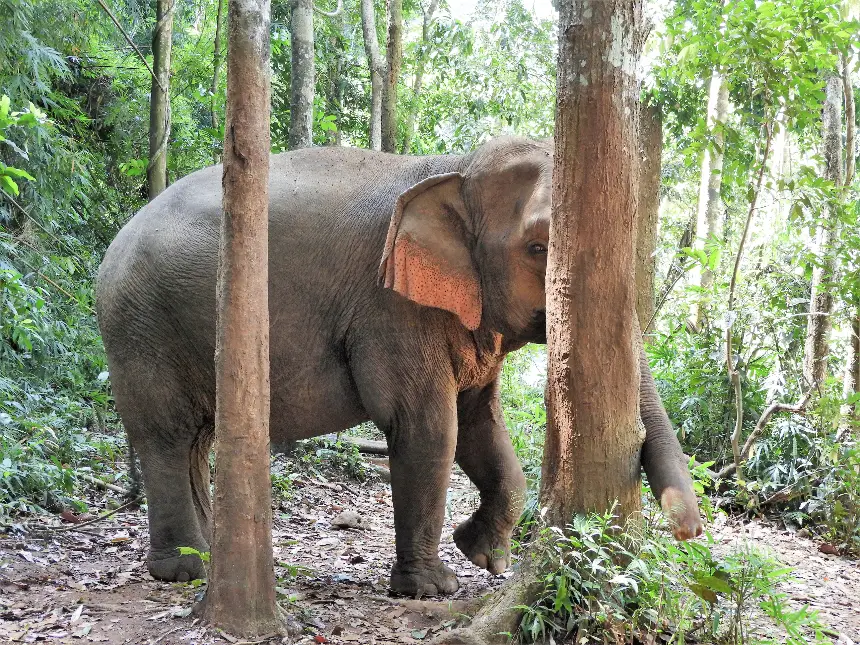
[{"x": 397, "y": 286}]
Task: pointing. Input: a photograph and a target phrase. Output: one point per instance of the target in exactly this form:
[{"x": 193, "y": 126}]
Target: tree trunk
[
  {"x": 850, "y": 118},
  {"x": 851, "y": 383},
  {"x": 217, "y": 59},
  {"x": 651, "y": 148},
  {"x": 418, "y": 81},
  {"x": 709, "y": 212},
  {"x": 302, "y": 74},
  {"x": 334, "y": 99},
  {"x": 817, "y": 345},
  {"x": 241, "y": 593},
  {"x": 851, "y": 379},
  {"x": 377, "y": 65},
  {"x": 593, "y": 438},
  {"x": 392, "y": 75},
  {"x": 159, "y": 103}
]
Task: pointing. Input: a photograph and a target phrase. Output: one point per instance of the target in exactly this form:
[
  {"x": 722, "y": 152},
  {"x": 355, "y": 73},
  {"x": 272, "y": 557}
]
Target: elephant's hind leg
[
  {"x": 175, "y": 501},
  {"x": 172, "y": 434}
]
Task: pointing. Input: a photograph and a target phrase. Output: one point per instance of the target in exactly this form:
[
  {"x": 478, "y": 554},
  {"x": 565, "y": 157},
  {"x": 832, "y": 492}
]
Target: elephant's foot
[
  {"x": 423, "y": 579},
  {"x": 179, "y": 568},
  {"x": 485, "y": 546}
]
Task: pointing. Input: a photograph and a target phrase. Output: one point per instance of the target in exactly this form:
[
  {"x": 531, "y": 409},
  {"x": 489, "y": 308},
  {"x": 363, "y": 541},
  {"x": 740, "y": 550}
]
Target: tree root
[{"x": 499, "y": 617}]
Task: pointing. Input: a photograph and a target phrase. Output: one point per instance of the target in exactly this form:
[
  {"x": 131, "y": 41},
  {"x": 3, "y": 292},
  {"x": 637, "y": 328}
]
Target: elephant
[{"x": 398, "y": 284}]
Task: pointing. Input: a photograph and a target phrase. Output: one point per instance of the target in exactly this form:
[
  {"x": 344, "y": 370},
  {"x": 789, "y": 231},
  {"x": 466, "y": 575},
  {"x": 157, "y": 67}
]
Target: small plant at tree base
[
  {"x": 204, "y": 558},
  {"x": 611, "y": 583}
]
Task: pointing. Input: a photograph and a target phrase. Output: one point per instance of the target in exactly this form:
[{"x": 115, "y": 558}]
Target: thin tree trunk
[
  {"x": 850, "y": 120},
  {"x": 651, "y": 148},
  {"x": 217, "y": 59},
  {"x": 851, "y": 379},
  {"x": 709, "y": 210},
  {"x": 817, "y": 347},
  {"x": 418, "y": 81},
  {"x": 159, "y": 104},
  {"x": 593, "y": 439},
  {"x": 334, "y": 99},
  {"x": 241, "y": 593},
  {"x": 851, "y": 382},
  {"x": 302, "y": 73},
  {"x": 377, "y": 65},
  {"x": 392, "y": 75}
]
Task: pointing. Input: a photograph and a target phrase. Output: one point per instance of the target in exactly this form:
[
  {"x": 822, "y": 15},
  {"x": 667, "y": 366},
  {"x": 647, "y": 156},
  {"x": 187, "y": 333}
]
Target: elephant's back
[{"x": 328, "y": 216}]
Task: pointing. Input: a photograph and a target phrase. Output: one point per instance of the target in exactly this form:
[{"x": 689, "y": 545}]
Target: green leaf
[
  {"x": 715, "y": 583},
  {"x": 16, "y": 172},
  {"x": 704, "y": 593},
  {"x": 9, "y": 185}
]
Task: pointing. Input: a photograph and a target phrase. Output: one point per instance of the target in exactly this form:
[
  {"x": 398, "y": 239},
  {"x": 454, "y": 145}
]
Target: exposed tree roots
[{"x": 498, "y": 617}]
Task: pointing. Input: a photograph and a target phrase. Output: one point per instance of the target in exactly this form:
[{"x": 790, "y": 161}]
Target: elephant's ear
[{"x": 426, "y": 256}]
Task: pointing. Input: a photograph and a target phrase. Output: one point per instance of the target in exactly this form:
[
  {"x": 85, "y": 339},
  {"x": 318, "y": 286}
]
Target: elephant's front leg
[
  {"x": 485, "y": 454},
  {"x": 421, "y": 446}
]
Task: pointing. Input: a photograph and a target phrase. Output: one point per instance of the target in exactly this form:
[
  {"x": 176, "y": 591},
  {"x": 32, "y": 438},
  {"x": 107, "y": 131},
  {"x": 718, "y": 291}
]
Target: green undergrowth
[
  {"x": 602, "y": 583},
  {"x": 320, "y": 458}
]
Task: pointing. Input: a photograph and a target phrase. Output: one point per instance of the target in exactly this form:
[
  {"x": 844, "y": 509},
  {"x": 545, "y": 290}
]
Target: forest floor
[{"x": 90, "y": 584}]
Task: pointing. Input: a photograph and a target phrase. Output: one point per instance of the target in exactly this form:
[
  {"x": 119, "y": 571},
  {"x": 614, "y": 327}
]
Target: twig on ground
[
  {"x": 165, "y": 634},
  {"x": 77, "y": 527}
]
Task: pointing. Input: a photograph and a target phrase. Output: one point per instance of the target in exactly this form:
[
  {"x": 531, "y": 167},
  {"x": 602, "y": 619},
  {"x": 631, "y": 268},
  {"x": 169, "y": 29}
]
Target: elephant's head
[{"x": 475, "y": 242}]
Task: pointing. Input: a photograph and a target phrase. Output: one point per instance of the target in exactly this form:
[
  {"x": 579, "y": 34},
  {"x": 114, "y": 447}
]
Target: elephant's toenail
[{"x": 183, "y": 576}]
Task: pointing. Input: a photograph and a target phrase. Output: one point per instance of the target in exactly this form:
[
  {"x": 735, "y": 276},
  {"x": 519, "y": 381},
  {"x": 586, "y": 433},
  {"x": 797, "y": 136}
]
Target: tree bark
[
  {"x": 377, "y": 66},
  {"x": 709, "y": 212},
  {"x": 241, "y": 593},
  {"x": 302, "y": 73},
  {"x": 651, "y": 148},
  {"x": 817, "y": 347},
  {"x": 418, "y": 80},
  {"x": 593, "y": 439},
  {"x": 159, "y": 102},
  {"x": 217, "y": 59},
  {"x": 392, "y": 75}
]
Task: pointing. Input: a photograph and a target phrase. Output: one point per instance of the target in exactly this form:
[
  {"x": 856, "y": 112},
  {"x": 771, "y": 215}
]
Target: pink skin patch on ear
[
  {"x": 429, "y": 280},
  {"x": 682, "y": 510}
]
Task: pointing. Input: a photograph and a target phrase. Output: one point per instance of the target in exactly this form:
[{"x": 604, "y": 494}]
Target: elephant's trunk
[{"x": 664, "y": 461}]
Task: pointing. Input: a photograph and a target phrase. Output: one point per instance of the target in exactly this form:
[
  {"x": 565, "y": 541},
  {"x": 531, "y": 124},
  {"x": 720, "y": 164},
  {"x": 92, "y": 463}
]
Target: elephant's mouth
[{"x": 536, "y": 331}]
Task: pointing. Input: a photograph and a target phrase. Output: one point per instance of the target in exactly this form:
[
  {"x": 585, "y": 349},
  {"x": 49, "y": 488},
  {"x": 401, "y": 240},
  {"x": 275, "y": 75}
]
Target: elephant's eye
[{"x": 536, "y": 248}]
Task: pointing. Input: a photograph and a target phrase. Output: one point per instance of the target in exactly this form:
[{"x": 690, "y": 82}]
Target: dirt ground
[{"x": 90, "y": 584}]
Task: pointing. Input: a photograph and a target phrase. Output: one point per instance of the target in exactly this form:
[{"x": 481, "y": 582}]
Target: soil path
[{"x": 92, "y": 586}]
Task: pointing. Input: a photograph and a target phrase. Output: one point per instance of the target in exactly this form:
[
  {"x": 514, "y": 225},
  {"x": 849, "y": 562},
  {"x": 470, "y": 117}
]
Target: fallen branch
[
  {"x": 102, "y": 484},
  {"x": 773, "y": 408},
  {"x": 368, "y": 446}
]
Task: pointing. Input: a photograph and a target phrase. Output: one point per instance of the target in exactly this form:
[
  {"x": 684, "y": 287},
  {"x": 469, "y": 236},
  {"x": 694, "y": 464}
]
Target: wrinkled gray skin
[{"x": 469, "y": 252}]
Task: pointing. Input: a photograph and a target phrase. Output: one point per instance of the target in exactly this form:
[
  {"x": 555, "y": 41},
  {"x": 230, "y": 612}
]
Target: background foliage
[{"x": 73, "y": 150}]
